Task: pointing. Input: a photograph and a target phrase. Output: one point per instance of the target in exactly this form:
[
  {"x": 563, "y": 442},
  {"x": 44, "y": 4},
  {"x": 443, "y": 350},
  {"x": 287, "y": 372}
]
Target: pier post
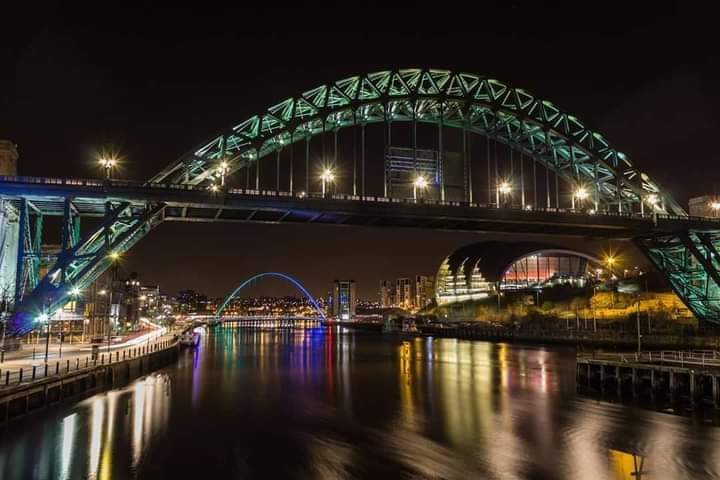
[
  {"x": 618, "y": 381},
  {"x": 652, "y": 383},
  {"x": 634, "y": 382},
  {"x": 587, "y": 379},
  {"x": 692, "y": 387},
  {"x": 673, "y": 384},
  {"x": 716, "y": 401}
]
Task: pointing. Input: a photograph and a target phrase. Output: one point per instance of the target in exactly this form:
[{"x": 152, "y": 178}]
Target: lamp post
[
  {"x": 503, "y": 190},
  {"x": 44, "y": 317},
  {"x": 715, "y": 207},
  {"x": 223, "y": 169},
  {"x": 327, "y": 176},
  {"x": 108, "y": 162},
  {"x": 74, "y": 294},
  {"x": 581, "y": 194},
  {"x": 420, "y": 183}
]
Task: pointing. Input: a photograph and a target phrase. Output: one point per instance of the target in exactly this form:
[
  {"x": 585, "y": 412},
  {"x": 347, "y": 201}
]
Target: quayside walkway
[
  {"x": 675, "y": 374},
  {"x": 25, "y": 390}
]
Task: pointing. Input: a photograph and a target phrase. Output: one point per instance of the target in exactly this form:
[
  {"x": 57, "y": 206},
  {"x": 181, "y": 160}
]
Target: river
[{"x": 333, "y": 403}]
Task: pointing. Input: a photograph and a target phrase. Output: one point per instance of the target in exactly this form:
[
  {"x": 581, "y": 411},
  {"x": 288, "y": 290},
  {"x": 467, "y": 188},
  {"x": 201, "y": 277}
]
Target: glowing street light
[
  {"x": 504, "y": 188},
  {"x": 108, "y": 162},
  {"x": 610, "y": 261},
  {"x": 420, "y": 183},
  {"x": 327, "y": 176},
  {"x": 44, "y": 317},
  {"x": 582, "y": 194},
  {"x": 75, "y": 291},
  {"x": 114, "y": 256},
  {"x": 223, "y": 168},
  {"x": 715, "y": 207}
]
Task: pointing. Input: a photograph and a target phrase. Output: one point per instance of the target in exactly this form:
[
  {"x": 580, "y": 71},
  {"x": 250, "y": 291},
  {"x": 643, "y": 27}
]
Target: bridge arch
[
  {"x": 294, "y": 282},
  {"x": 474, "y": 103}
]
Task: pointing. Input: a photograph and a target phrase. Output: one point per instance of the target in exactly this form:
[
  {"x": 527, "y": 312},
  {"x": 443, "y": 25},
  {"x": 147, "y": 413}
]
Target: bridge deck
[{"x": 197, "y": 204}]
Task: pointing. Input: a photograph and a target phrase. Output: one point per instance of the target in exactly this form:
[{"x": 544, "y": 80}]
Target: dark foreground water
[{"x": 333, "y": 404}]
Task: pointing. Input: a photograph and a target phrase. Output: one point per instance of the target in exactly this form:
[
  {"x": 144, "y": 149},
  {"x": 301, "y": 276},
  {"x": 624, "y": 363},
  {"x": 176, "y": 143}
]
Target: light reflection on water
[{"x": 332, "y": 403}]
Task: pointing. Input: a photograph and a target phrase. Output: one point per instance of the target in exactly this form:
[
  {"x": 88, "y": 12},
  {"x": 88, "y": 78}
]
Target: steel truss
[
  {"x": 81, "y": 260},
  {"x": 690, "y": 261},
  {"x": 536, "y": 127},
  {"x": 508, "y": 115}
]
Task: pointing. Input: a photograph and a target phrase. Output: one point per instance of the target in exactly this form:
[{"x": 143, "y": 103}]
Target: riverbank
[
  {"x": 618, "y": 341},
  {"x": 34, "y": 390},
  {"x": 603, "y": 339}
]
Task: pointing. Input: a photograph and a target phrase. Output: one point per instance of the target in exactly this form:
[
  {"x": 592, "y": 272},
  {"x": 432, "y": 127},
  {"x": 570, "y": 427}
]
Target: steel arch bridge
[
  {"x": 468, "y": 102},
  {"x": 498, "y": 187},
  {"x": 291, "y": 280}
]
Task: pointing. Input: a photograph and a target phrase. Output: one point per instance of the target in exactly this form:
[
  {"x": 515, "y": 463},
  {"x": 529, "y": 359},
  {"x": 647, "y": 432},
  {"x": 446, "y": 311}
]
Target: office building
[{"x": 344, "y": 299}]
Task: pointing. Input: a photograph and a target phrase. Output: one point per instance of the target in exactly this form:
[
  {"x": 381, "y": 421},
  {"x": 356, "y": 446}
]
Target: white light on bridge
[
  {"x": 420, "y": 183},
  {"x": 581, "y": 193},
  {"x": 327, "y": 176}
]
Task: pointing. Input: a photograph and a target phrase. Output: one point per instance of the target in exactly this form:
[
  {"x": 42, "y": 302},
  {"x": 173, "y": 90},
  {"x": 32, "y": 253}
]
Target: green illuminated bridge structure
[{"x": 423, "y": 148}]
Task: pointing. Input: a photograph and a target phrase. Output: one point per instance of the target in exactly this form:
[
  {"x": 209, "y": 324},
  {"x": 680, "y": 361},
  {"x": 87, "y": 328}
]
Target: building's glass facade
[{"x": 478, "y": 271}]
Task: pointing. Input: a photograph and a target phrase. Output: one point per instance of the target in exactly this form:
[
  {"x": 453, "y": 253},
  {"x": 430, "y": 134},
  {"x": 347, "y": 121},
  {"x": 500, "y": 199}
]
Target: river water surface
[{"x": 332, "y": 403}]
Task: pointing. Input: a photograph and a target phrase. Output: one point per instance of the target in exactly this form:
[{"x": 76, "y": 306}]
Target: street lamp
[
  {"x": 715, "y": 207},
  {"x": 223, "y": 169},
  {"x": 45, "y": 318},
  {"x": 108, "y": 162},
  {"x": 74, "y": 294},
  {"x": 581, "y": 194},
  {"x": 327, "y": 176},
  {"x": 610, "y": 260},
  {"x": 503, "y": 189},
  {"x": 421, "y": 183}
]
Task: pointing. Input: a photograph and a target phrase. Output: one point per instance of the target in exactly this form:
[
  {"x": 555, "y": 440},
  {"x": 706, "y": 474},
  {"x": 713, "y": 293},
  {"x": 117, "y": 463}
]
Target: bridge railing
[
  {"x": 38, "y": 371},
  {"x": 340, "y": 196},
  {"x": 697, "y": 358}
]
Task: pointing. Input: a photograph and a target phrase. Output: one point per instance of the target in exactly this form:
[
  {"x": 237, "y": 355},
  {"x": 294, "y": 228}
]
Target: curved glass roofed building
[{"x": 476, "y": 271}]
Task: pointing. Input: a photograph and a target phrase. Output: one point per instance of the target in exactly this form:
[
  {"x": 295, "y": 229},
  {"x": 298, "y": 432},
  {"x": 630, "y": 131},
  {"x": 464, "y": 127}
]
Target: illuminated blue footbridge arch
[{"x": 294, "y": 282}]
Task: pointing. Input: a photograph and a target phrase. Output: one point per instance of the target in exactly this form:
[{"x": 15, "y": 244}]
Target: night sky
[{"x": 155, "y": 83}]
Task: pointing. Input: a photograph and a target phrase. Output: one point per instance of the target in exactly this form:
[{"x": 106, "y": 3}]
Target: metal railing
[
  {"x": 344, "y": 197},
  {"x": 42, "y": 371},
  {"x": 682, "y": 358}
]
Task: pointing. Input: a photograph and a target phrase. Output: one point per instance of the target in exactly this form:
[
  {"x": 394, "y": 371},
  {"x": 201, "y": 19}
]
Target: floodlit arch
[
  {"x": 556, "y": 139},
  {"x": 282, "y": 276}
]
